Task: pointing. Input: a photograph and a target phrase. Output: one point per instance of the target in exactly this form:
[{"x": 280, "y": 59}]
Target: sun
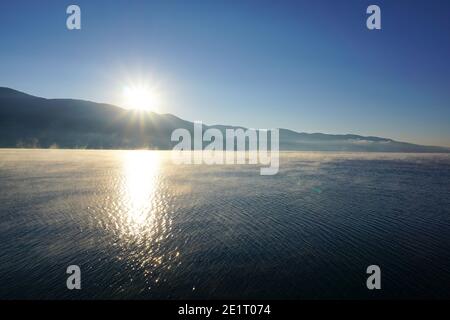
[{"x": 141, "y": 98}]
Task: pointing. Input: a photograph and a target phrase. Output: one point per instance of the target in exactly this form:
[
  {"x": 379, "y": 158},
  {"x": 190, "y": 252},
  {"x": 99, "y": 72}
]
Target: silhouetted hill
[{"x": 28, "y": 121}]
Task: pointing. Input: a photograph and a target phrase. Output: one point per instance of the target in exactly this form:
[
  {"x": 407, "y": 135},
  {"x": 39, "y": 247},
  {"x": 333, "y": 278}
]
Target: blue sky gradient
[{"x": 310, "y": 66}]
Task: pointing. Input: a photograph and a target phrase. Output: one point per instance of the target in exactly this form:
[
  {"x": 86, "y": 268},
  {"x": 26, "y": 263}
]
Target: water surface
[{"x": 142, "y": 227}]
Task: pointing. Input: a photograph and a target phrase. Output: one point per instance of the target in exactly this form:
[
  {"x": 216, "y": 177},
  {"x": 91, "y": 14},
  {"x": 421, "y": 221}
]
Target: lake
[{"x": 141, "y": 227}]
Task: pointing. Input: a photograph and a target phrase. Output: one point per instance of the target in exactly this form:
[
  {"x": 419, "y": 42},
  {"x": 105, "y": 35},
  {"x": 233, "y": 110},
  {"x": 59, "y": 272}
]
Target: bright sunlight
[{"x": 140, "y": 98}]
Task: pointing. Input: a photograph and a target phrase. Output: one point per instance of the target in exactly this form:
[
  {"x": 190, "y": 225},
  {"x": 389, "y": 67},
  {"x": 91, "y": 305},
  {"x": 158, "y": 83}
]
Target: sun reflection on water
[
  {"x": 141, "y": 171},
  {"x": 143, "y": 217}
]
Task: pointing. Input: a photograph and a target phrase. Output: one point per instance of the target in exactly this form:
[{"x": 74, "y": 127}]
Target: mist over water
[{"x": 141, "y": 227}]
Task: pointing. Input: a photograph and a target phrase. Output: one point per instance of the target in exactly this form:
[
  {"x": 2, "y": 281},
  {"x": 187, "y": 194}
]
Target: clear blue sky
[{"x": 309, "y": 66}]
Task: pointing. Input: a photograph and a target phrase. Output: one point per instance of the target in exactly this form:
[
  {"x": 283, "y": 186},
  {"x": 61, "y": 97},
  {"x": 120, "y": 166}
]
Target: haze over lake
[{"x": 141, "y": 227}]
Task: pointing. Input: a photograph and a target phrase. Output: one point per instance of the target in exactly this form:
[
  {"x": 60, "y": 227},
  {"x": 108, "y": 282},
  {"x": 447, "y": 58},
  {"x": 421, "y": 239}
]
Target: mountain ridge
[{"x": 30, "y": 121}]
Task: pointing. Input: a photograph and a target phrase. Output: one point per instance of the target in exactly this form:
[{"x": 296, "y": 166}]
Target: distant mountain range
[{"x": 29, "y": 121}]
